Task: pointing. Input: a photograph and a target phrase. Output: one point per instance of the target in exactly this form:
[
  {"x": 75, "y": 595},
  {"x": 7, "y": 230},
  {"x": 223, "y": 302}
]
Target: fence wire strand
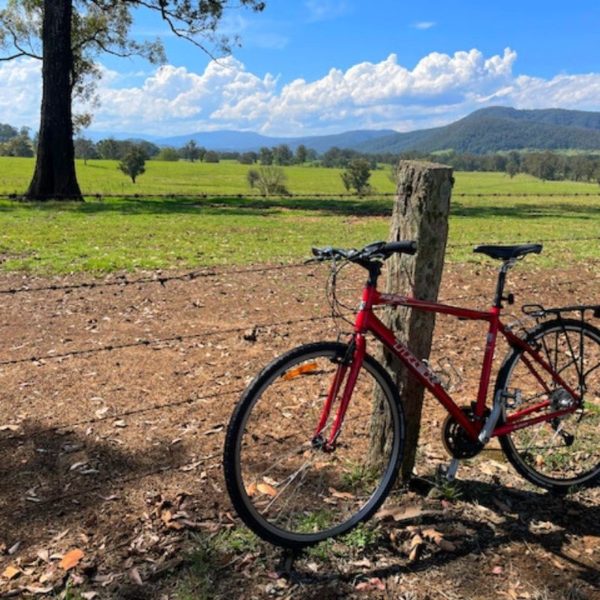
[{"x": 214, "y": 272}]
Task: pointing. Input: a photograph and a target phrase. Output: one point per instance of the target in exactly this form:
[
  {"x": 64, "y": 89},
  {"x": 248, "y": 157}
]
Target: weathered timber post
[{"x": 421, "y": 211}]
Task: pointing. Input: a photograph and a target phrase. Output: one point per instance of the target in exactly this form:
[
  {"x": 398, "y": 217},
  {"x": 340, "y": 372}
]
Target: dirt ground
[{"x": 114, "y": 400}]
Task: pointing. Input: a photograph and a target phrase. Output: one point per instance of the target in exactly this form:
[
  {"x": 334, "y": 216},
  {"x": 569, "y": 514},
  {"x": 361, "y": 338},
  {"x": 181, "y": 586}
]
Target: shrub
[{"x": 268, "y": 180}]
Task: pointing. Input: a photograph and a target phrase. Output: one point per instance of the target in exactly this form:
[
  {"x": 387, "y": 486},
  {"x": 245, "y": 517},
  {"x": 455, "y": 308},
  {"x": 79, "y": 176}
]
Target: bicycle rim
[
  {"x": 566, "y": 451},
  {"x": 287, "y": 490}
]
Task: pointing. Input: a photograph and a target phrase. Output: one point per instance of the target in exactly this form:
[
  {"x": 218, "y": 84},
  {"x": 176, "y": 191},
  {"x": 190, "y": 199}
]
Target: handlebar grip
[{"x": 408, "y": 247}]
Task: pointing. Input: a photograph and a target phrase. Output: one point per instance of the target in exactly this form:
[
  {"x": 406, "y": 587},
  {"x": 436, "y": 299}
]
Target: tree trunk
[
  {"x": 54, "y": 175},
  {"x": 420, "y": 213}
]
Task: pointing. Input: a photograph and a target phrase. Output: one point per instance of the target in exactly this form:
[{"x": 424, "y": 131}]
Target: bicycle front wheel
[
  {"x": 564, "y": 451},
  {"x": 291, "y": 491}
]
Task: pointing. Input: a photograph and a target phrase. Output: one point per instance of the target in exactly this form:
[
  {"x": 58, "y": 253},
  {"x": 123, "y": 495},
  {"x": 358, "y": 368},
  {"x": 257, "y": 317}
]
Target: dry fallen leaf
[
  {"x": 43, "y": 555},
  {"x": 38, "y": 591},
  {"x": 9, "y": 428},
  {"x": 416, "y": 543},
  {"x": 265, "y": 488},
  {"x": 71, "y": 559},
  {"x": 342, "y": 495},
  {"x": 134, "y": 575},
  {"x": 11, "y": 572},
  {"x": 403, "y": 513},
  {"x": 251, "y": 490}
]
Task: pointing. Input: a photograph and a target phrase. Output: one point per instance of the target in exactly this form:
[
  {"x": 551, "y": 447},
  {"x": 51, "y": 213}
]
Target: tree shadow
[
  {"x": 233, "y": 205},
  {"x": 534, "y": 519},
  {"x": 49, "y": 477},
  {"x": 505, "y": 208}
]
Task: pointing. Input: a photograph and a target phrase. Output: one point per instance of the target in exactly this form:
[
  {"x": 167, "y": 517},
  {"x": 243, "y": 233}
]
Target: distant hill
[
  {"x": 487, "y": 130},
  {"x": 245, "y": 141},
  {"x": 499, "y": 128}
]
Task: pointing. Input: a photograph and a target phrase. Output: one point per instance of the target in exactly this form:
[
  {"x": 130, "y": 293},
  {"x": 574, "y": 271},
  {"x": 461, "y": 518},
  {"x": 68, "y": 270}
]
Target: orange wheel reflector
[{"x": 301, "y": 370}]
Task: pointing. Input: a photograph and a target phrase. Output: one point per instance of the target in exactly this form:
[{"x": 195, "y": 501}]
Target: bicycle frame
[{"x": 367, "y": 322}]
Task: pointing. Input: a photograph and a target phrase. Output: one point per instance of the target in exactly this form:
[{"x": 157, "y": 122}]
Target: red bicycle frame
[{"x": 367, "y": 322}]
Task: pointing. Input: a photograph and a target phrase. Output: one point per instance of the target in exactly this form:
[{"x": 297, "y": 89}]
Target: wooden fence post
[{"x": 421, "y": 211}]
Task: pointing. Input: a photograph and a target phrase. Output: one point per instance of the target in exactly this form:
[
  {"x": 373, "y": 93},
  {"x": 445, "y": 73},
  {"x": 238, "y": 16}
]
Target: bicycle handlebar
[{"x": 376, "y": 250}]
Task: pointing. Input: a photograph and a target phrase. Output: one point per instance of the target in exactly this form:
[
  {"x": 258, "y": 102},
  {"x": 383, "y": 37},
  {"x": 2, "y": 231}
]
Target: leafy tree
[
  {"x": 168, "y": 154},
  {"x": 190, "y": 151},
  {"x": 356, "y": 176},
  {"x": 108, "y": 149},
  {"x": 85, "y": 149},
  {"x": 133, "y": 163},
  {"x": 149, "y": 149},
  {"x": 19, "y": 145},
  {"x": 7, "y": 132},
  {"x": 301, "y": 154},
  {"x": 282, "y": 155},
  {"x": 248, "y": 158},
  {"x": 337, "y": 157},
  {"x": 265, "y": 156},
  {"x": 269, "y": 180},
  {"x": 212, "y": 157},
  {"x": 67, "y": 36}
]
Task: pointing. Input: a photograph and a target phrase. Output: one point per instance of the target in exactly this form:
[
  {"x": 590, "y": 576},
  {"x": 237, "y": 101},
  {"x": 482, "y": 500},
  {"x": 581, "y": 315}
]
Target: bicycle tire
[
  {"x": 567, "y": 453},
  {"x": 335, "y": 485}
]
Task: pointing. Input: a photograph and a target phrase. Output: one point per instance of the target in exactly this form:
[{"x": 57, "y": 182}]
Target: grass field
[{"x": 121, "y": 234}]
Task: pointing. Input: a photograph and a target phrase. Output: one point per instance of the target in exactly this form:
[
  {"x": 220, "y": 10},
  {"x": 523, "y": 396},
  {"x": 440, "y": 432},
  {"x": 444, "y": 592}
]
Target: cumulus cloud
[
  {"x": 20, "y": 91},
  {"x": 175, "y": 100}
]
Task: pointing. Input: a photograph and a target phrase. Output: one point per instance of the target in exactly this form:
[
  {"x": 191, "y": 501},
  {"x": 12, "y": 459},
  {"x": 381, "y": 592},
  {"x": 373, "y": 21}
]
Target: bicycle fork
[{"x": 348, "y": 369}]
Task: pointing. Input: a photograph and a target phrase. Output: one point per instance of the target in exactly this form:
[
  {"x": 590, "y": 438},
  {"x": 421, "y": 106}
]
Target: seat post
[{"x": 506, "y": 266}]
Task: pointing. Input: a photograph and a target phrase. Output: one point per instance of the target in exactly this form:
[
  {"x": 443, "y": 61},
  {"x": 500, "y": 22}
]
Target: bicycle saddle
[{"x": 508, "y": 252}]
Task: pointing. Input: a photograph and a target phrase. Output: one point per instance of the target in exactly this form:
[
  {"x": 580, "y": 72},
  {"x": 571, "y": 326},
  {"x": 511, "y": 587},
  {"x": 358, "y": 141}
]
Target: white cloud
[
  {"x": 323, "y": 10},
  {"x": 424, "y": 24},
  {"x": 175, "y": 100},
  {"x": 20, "y": 91}
]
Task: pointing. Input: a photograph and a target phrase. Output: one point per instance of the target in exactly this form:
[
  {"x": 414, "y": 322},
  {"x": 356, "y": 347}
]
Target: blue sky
[{"x": 322, "y": 66}]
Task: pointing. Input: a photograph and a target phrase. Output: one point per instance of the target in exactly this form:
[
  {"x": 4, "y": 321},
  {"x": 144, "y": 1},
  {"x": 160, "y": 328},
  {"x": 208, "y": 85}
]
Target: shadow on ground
[
  {"x": 540, "y": 521},
  {"x": 50, "y": 477}
]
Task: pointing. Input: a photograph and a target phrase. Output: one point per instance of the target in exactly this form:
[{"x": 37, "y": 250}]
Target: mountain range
[{"x": 486, "y": 130}]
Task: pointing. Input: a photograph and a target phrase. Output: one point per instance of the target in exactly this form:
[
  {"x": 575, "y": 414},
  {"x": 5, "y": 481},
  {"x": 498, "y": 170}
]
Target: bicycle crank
[{"x": 456, "y": 440}]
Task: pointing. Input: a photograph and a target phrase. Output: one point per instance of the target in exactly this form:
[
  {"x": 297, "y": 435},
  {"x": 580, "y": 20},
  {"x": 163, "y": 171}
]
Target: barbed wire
[
  {"x": 122, "y": 281},
  {"x": 291, "y": 196},
  {"x": 120, "y": 415},
  {"x": 160, "y": 341},
  {"x": 179, "y": 338},
  {"x": 214, "y": 272}
]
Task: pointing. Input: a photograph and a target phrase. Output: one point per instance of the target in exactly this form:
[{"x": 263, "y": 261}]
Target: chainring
[{"x": 456, "y": 440}]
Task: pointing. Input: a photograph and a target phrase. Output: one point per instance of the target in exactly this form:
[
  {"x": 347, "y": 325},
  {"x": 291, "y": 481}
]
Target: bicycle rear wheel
[
  {"x": 565, "y": 451},
  {"x": 290, "y": 491}
]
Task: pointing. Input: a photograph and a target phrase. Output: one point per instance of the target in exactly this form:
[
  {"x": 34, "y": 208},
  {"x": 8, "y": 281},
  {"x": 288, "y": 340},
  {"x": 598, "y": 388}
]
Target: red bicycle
[{"x": 314, "y": 444}]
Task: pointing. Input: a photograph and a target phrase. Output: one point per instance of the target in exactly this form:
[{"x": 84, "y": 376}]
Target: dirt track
[{"x": 114, "y": 401}]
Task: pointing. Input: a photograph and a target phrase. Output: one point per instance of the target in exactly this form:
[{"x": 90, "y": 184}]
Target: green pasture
[
  {"x": 121, "y": 234},
  {"x": 229, "y": 177}
]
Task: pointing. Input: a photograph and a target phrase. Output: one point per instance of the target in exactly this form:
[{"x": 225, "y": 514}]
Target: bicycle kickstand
[{"x": 448, "y": 471}]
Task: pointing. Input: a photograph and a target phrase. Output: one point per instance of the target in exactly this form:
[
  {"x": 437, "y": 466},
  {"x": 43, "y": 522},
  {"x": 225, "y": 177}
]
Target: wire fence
[
  {"x": 218, "y": 272},
  {"x": 99, "y": 196},
  {"x": 176, "y": 339}
]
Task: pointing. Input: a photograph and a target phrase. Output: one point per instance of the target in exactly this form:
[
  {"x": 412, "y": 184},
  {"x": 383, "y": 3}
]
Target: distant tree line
[{"x": 546, "y": 165}]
